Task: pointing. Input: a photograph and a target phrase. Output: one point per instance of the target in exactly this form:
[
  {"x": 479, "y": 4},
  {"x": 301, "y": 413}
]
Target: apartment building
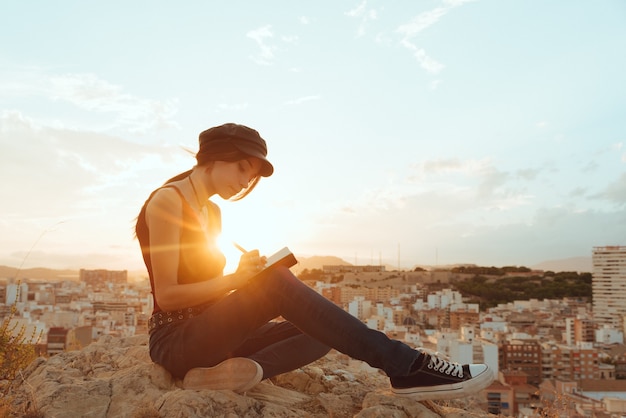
[
  {"x": 609, "y": 285},
  {"x": 570, "y": 362},
  {"x": 462, "y": 317},
  {"x": 342, "y": 295},
  {"x": 525, "y": 396},
  {"x": 101, "y": 278},
  {"x": 56, "y": 340},
  {"x": 522, "y": 355},
  {"x": 579, "y": 329},
  {"x": 333, "y": 293},
  {"x": 360, "y": 307},
  {"x": 500, "y": 399}
]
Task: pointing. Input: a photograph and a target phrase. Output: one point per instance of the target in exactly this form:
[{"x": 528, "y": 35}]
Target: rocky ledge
[{"x": 115, "y": 378}]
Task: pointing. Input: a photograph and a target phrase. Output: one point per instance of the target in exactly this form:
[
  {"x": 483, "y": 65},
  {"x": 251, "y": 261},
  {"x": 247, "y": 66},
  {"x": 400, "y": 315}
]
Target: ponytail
[{"x": 179, "y": 177}]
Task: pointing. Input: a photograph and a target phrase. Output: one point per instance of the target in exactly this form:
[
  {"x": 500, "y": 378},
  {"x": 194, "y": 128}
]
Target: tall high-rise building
[{"x": 609, "y": 285}]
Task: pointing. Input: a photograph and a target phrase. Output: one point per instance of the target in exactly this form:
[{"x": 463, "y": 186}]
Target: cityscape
[
  {"x": 565, "y": 353},
  {"x": 415, "y": 145}
]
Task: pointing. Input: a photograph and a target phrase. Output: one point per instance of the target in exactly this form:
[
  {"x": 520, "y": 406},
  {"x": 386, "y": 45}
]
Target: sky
[{"x": 403, "y": 132}]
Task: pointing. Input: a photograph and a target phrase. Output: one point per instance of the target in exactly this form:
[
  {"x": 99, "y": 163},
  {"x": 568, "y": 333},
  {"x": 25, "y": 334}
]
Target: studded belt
[{"x": 163, "y": 318}]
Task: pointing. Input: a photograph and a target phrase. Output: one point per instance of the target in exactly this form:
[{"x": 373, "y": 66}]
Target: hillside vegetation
[{"x": 500, "y": 288}]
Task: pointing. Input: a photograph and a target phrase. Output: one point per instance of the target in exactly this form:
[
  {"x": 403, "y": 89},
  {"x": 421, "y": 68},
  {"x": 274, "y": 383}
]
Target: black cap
[{"x": 246, "y": 140}]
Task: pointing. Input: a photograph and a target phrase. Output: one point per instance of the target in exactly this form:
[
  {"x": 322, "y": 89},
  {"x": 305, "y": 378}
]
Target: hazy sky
[{"x": 489, "y": 132}]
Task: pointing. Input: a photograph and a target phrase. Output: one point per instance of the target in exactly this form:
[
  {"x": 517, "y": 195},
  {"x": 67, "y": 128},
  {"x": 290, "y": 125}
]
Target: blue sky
[{"x": 420, "y": 132}]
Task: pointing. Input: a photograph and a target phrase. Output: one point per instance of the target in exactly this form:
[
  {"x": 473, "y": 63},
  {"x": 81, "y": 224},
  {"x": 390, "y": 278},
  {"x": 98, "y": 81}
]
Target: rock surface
[{"x": 115, "y": 378}]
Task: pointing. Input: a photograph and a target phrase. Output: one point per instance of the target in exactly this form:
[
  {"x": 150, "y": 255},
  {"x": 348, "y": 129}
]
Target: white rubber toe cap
[{"x": 478, "y": 369}]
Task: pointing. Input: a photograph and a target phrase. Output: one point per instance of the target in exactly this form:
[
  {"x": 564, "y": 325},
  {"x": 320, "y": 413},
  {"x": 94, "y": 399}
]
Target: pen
[{"x": 239, "y": 247}]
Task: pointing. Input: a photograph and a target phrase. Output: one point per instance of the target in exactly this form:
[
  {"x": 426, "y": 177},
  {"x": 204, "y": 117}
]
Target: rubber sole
[{"x": 238, "y": 374}]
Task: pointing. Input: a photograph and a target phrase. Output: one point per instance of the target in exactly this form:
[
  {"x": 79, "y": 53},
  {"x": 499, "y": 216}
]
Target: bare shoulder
[{"x": 166, "y": 199}]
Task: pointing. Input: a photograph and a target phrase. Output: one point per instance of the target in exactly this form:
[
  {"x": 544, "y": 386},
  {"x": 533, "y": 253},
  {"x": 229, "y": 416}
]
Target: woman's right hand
[{"x": 250, "y": 264}]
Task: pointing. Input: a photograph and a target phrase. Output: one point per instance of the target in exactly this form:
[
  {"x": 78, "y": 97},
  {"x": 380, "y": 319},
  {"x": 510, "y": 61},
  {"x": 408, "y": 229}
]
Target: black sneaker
[{"x": 435, "y": 378}]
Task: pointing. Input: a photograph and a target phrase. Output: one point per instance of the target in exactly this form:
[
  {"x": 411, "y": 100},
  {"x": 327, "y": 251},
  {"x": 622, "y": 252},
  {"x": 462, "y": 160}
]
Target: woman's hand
[{"x": 250, "y": 264}]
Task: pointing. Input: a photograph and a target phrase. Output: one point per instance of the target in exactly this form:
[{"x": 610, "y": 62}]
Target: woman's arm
[{"x": 164, "y": 218}]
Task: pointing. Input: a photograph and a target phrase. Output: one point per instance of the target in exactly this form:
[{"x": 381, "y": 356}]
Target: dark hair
[
  {"x": 207, "y": 155},
  {"x": 227, "y": 153}
]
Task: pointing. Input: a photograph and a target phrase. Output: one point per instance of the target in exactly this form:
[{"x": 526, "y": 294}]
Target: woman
[{"x": 215, "y": 331}]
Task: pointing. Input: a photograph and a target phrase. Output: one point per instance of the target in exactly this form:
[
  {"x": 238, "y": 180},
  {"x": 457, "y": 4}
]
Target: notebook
[{"x": 282, "y": 257}]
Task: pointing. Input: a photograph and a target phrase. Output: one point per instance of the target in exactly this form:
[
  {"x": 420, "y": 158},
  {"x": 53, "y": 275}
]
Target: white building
[
  {"x": 360, "y": 307},
  {"x": 15, "y": 289},
  {"x": 490, "y": 356},
  {"x": 609, "y": 335},
  {"x": 385, "y": 312},
  {"x": 462, "y": 352},
  {"x": 493, "y": 323},
  {"x": 609, "y": 285},
  {"x": 31, "y": 331},
  {"x": 413, "y": 338},
  {"x": 444, "y": 298},
  {"x": 443, "y": 341},
  {"x": 375, "y": 322}
]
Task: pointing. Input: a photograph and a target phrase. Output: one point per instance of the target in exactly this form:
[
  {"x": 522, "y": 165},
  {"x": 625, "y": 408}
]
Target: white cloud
[
  {"x": 383, "y": 38},
  {"x": 59, "y": 169},
  {"x": 82, "y": 188},
  {"x": 407, "y": 31},
  {"x": 455, "y": 3},
  {"x": 358, "y": 10},
  {"x": 261, "y": 36},
  {"x": 451, "y": 165},
  {"x": 615, "y": 191},
  {"x": 112, "y": 108},
  {"x": 267, "y": 51},
  {"x": 293, "y": 39},
  {"x": 528, "y": 173},
  {"x": 461, "y": 228},
  {"x": 418, "y": 24},
  {"x": 364, "y": 14},
  {"x": 467, "y": 189},
  {"x": 426, "y": 62},
  {"x": 422, "y": 21},
  {"x": 86, "y": 91}
]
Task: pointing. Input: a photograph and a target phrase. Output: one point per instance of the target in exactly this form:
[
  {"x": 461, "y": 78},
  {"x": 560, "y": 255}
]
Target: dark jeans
[{"x": 238, "y": 326}]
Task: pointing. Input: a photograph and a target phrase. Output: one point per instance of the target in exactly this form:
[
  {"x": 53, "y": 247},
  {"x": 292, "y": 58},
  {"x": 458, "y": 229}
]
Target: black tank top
[{"x": 199, "y": 258}]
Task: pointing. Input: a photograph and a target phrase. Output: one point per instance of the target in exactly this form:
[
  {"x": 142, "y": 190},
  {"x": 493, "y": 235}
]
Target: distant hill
[
  {"x": 578, "y": 264},
  {"x": 317, "y": 262},
  {"x": 442, "y": 266},
  {"x": 41, "y": 273}
]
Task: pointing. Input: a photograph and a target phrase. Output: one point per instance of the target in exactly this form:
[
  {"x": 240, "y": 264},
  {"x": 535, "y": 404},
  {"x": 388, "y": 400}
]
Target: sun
[
  {"x": 232, "y": 254},
  {"x": 245, "y": 236},
  {"x": 255, "y": 225}
]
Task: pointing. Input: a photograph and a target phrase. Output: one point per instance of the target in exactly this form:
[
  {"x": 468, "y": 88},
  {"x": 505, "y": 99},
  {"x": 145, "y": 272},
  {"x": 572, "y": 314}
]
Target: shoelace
[{"x": 446, "y": 367}]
